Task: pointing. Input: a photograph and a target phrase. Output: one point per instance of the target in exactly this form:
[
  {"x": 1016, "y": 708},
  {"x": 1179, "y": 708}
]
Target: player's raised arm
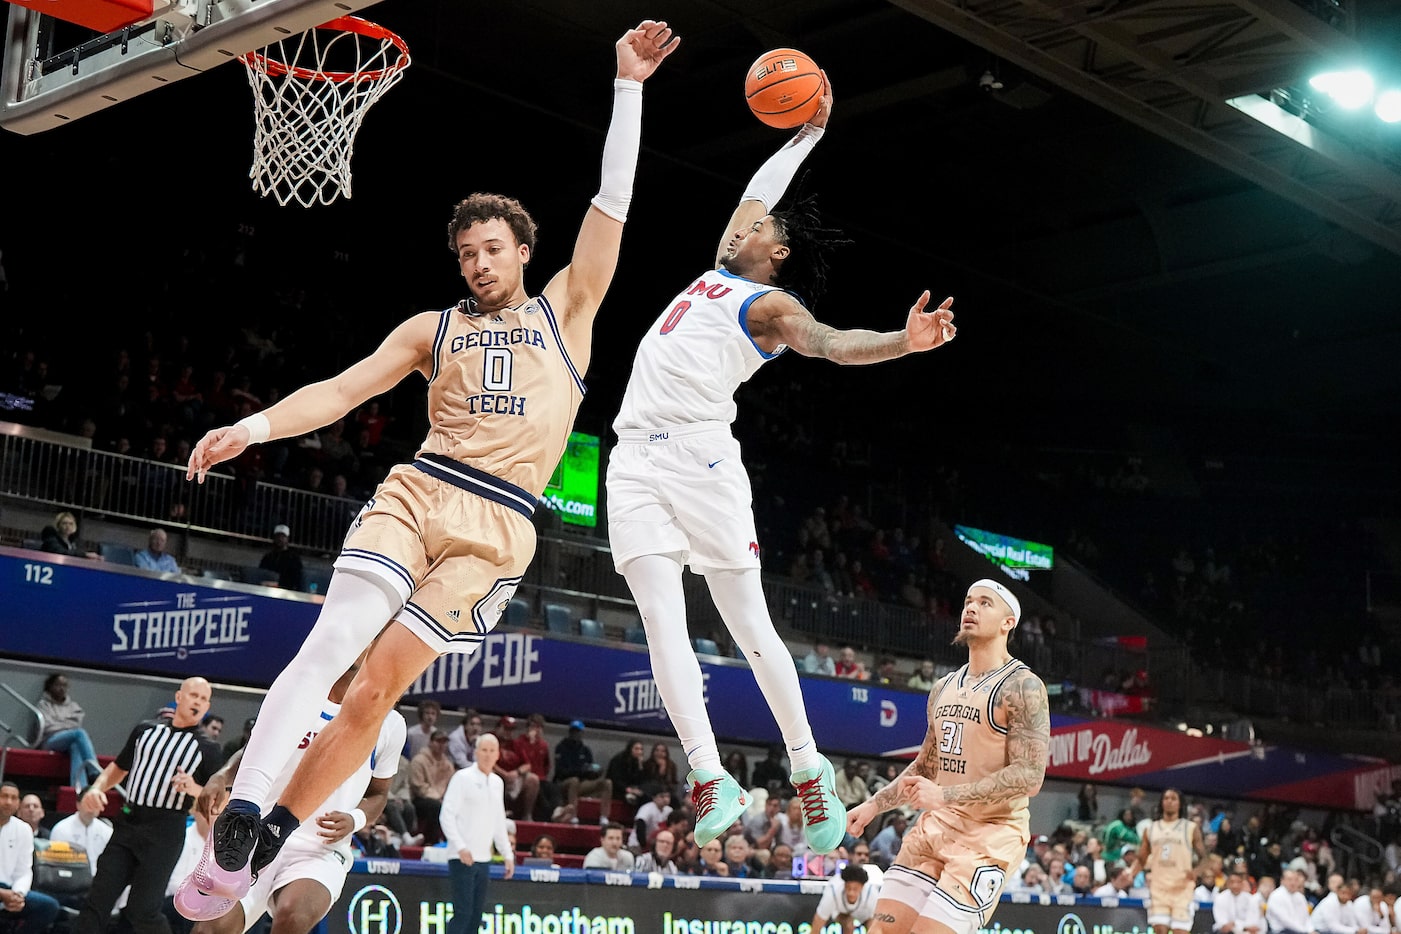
[
  {"x": 577, "y": 290},
  {"x": 407, "y": 348},
  {"x": 767, "y": 186},
  {"x": 777, "y": 319}
]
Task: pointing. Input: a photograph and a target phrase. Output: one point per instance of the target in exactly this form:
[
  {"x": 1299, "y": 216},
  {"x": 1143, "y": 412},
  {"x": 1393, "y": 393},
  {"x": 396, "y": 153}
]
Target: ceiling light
[{"x": 1388, "y": 106}]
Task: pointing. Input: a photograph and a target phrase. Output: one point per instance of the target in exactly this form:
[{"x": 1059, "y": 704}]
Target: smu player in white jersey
[
  {"x": 678, "y": 492},
  {"x": 302, "y": 883}
]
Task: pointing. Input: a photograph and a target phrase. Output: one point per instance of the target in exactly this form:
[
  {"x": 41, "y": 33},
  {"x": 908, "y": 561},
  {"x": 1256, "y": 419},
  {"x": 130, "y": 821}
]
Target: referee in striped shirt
[{"x": 165, "y": 763}]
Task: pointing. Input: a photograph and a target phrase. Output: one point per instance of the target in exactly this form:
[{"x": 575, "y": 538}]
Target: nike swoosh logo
[{"x": 713, "y": 463}]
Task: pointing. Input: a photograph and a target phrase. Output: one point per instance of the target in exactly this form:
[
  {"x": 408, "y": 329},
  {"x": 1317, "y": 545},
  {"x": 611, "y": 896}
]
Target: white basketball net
[{"x": 310, "y": 93}]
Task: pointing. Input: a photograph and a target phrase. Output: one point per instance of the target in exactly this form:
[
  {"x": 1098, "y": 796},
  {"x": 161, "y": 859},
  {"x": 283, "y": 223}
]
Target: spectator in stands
[
  {"x": 429, "y": 774},
  {"x": 544, "y": 848},
  {"x": 925, "y": 678},
  {"x": 462, "y": 741},
  {"x": 283, "y": 561},
  {"x": 238, "y": 742},
  {"x": 34, "y": 910},
  {"x": 1268, "y": 861},
  {"x": 1087, "y": 804},
  {"x": 819, "y": 660},
  {"x": 769, "y": 772},
  {"x": 1287, "y": 910},
  {"x": 213, "y": 728},
  {"x": 1117, "y": 833},
  {"x": 650, "y": 817},
  {"x": 848, "y": 666},
  {"x": 535, "y": 753},
  {"x": 521, "y": 783},
  {"x": 398, "y": 809},
  {"x": 1334, "y": 913},
  {"x": 578, "y": 775},
  {"x": 851, "y": 787},
  {"x": 1080, "y": 881},
  {"x": 711, "y": 861},
  {"x": 1117, "y": 886},
  {"x": 780, "y": 864},
  {"x": 154, "y": 557},
  {"x": 661, "y": 769},
  {"x": 1372, "y": 914},
  {"x": 84, "y": 828},
  {"x": 31, "y": 811},
  {"x": 628, "y": 773},
  {"x": 761, "y": 826},
  {"x": 474, "y": 822},
  {"x": 659, "y": 857},
  {"x": 738, "y": 766},
  {"x": 610, "y": 853},
  {"x": 885, "y": 846},
  {"x": 1056, "y": 882},
  {"x": 790, "y": 827},
  {"x": 420, "y": 734},
  {"x": 1095, "y": 860},
  {"x": 739, "y": 858},
  {"x": 1032, "y": 881},
  {"x": 61, "y": 538},
  {"x": 886, "y": 672},
  {"x": 63, "y": 731},
  {"x": 1236, "y": 909},
  {"x": 377, "y": 841}
]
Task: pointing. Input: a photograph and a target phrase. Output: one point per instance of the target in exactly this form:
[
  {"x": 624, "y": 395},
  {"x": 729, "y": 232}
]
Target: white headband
[{"x": 1004, "y": 593}]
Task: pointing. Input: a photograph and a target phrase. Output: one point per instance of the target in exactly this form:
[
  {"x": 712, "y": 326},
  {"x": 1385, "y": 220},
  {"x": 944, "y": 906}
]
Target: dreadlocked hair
[{"x": 799, "y": 227}]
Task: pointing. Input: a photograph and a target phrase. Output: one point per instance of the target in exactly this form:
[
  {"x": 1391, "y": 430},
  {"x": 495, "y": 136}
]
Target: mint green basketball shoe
[
  {"x": 824, "y": 815},
  {"x": 719, "y": 801}
]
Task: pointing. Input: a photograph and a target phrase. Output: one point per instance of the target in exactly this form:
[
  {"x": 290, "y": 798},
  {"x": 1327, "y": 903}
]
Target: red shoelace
[
  {"x": 703, "y": 797},
  {"x": 814, "y": 805}
]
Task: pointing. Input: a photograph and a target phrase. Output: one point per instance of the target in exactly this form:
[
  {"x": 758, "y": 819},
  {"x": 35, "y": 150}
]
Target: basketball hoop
[{"x": 310, "y": 93}]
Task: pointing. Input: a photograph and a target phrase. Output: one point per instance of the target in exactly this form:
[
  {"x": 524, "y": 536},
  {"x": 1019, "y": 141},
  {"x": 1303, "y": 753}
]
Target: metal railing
[{"x": 40, "y": 468}]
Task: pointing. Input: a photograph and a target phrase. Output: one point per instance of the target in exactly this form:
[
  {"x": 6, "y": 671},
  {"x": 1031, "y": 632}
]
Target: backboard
[{"x": 55, "y": 72}]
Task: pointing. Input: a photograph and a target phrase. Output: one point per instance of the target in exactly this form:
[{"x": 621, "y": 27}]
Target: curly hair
[
  {"x": 479, "y": 207},
  {"x": 810, "y": 244}
]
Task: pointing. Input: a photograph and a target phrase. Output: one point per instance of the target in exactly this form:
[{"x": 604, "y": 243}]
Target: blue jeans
[
  {"x": 468, "y": 895},
  {"x": 80, "y": 753},
  {"x": 38, "y": 913}
]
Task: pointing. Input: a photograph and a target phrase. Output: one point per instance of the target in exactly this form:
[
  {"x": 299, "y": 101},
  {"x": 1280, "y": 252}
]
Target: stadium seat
[
  {"x": 117, "y": 553},
  {"x": 592, "y": 629},
  {"x": 559, "y": 620},
  {"x": 635, "y": 635},
  {"x": 517, "y": 613},
  {"x": 218, "y": 574},
  {"x": 705, "y": 646}
]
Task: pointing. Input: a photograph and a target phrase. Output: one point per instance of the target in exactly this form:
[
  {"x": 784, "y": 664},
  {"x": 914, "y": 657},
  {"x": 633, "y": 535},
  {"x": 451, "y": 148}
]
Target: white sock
[
  {"x": 655, "y": 582},
  {"x": 356, "y": 609},
  {"x": 739, "y": 596}
]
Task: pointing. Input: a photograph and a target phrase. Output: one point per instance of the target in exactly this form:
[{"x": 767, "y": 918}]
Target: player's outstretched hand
[
  {"x": 929, "y": 329},
  {"x": 824, "y": 110},
  {"x": 858, "y": 817},
  {"x": 641, "y": 50},
  {"x": 215, "y": 447}
]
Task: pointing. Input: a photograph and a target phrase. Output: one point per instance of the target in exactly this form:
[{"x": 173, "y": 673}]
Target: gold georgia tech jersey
[
  {"x": 1170, "y": 845},
  {"x": 972, "y": 742},
  {"x": 503, "y": 393}
]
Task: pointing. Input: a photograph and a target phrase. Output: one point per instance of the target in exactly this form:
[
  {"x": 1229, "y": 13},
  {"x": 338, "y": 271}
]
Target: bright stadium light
[
  {"x": 1388, "y": 107},
  {"x": 1349, "y": 89}
]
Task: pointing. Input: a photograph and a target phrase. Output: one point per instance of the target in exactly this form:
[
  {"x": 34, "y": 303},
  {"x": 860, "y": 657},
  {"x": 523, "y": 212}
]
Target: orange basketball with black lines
[{"x": 784, "y": 88}]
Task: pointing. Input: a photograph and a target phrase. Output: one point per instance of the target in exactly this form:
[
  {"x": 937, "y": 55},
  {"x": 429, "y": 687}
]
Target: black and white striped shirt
[{"x": 154, "y": 752}]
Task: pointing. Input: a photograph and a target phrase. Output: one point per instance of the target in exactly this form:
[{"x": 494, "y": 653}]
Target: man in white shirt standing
[
  {"x": 1286, "y": 910},
  {"x": 1334, "y": 913},
  {"x": 473, "y": 820},
  {"x": 35, "y": 910},
  {"x": 1236, "y": 909},
  {"x": 84, "y": 828}
]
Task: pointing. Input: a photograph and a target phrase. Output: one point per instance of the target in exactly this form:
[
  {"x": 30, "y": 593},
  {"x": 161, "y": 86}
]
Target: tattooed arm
[
  {"x": 924, "y": 766},
  {"x": 1022, "y": 701}
]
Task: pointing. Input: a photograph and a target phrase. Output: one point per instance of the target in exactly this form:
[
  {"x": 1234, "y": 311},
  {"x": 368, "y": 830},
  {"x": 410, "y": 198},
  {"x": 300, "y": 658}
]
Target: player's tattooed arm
[
  {"x": 924, "y": 765},
  {"x": 1022, "y": 700}
]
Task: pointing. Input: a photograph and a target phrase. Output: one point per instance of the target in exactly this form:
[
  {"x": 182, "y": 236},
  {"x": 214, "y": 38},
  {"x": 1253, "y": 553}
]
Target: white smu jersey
[
  {"x": 695, "y": 356},
  {"x": 383, "y": 763}
]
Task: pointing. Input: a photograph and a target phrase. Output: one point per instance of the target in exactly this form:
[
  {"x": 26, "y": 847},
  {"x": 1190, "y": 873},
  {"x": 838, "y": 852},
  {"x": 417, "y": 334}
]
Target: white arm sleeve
[
  {"x": 620, "y": 150},
  {"x": 771, "y": 181}
]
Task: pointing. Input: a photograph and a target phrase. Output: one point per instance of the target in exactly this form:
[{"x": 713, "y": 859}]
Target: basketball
[{"x": 784, "y": 88}]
